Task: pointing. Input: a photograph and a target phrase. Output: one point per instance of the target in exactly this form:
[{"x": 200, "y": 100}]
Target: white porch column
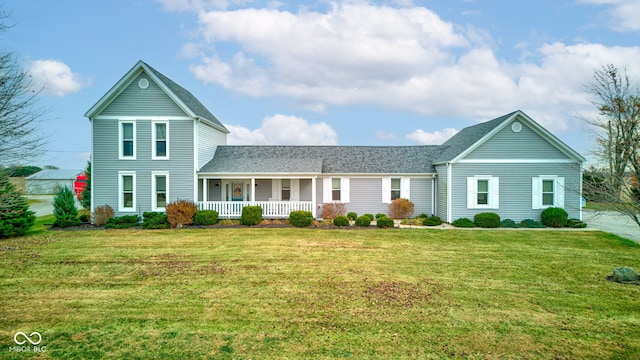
[
  {"x": 313, "y": 196},
  {"x": 253, "y": 191},
  {"x": 205, "y": 195}
]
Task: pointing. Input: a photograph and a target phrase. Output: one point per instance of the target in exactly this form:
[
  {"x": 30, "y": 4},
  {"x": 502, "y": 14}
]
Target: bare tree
[
  {"x": 19, "y": 116},
  {"x": 618, "y": 142}
]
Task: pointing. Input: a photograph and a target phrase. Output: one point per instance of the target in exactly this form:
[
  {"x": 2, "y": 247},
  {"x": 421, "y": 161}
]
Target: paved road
[
  {"x": 612, "y": 222},
  {"x": 44, "y": 205}
]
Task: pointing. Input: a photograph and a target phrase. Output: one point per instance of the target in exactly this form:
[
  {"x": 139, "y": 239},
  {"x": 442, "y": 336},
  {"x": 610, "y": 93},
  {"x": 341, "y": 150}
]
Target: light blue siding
[
  {"x": 526, "y": 144},
  {"x": 134, "y": 101},
  {"x": 421, "y": 192},
  {"x": 515, "y": 188},
  {"x": 106, "y": 164},
  {"x": 208, "y": 140},
  {"x": 441, "y": 192}
]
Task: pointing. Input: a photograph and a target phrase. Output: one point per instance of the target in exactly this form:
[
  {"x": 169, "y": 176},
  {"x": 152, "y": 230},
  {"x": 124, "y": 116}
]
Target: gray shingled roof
[
  {"x": 467, "y": 137},
  {"x": 187, "y": 98},
  {"x": 323, "y": 159}
]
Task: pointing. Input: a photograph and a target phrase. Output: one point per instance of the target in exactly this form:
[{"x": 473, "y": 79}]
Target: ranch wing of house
[{"x": 154, "y": 143}]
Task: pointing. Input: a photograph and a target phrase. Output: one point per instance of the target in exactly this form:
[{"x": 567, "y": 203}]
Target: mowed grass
[{"x": 249, "y": 293}]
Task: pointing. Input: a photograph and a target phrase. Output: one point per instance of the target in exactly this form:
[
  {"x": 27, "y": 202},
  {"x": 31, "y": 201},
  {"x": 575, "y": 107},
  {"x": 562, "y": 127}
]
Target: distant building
[{"x": 47, "y": 182}]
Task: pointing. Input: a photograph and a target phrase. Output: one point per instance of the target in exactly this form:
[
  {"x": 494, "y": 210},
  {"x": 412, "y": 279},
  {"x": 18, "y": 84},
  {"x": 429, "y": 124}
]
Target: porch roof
[{"x": 323, "y": 159}]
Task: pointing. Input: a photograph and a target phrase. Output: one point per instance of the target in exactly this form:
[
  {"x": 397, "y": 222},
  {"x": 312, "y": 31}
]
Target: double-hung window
[
  {"x": 547, "y": 191},
  {"x": 286, "y": 189},
  {"x": 127, "y": 191},
  {"x": 395, "y": 188},
  {"x": 127, "y": 143},
  {"x": 335, "y": 189},
  {"x": 160, "y": 139},
  {"x": 159, "y": 190},
  {"x": 483, "y": 192}
]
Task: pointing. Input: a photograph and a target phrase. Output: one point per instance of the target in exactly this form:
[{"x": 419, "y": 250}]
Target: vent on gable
[
  {"x": 516, "y": 127},
  {"x": 143, "y": 83}
]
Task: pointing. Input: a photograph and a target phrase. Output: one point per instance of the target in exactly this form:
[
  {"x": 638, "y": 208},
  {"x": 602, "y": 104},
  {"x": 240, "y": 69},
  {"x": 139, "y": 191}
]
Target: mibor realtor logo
[{"x": 27, "y": 343}]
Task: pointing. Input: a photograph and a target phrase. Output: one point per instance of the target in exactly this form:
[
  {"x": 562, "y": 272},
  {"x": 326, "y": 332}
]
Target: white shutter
[
  {"x": 472, "y": 195},
  {"x": 536, "y": 195},
  {"x": 344, "y": 190},
  {"x": 326, "y": 190},
  {"x": 386, "y": 190},
  {"x": 405, "y": 188},
  {"x": 559, "y": 200},
  {"x": 295, "y": 190},
  {"x": 495, "y": 192}
]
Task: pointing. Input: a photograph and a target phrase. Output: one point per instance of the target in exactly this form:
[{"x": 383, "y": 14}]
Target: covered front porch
[{"x": 277, "y": 196}]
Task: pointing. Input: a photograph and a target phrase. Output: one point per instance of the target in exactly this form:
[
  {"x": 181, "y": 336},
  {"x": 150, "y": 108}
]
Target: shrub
[
  {"x": 370, "y": 216},
  {"x": 530, "y": 223},
  {"x": 205, "y": 217},
  {"x": 300, "y": 218},
  {"x": 102, "y": 214},
  {"x": 423, "y": 216},
  {"x": 251, "y": 215},
  {"x": 363, "y": 221},
  {"x": 181, "y": 212},
  {"x": 341, "y": 221},
  {"x": 64, "y": 209},
  {"x": 463, "y": 223},
  {"x": 508, "y": 223},
  {"x": 554, "y": 217},
  {"x": 487, "y": 220},
  {"x": 332, "y": 210},
  {"x": 122, "y": 222},
  {"x": 15, "y": 217},
  {"x": 154, "y": 220},
  {"x": 576, "y": 223},
  {"x": 401, "y": 208},
  {"x": 352, "y": 215},
  {"x": 84, "y": 216},
  {"x": 385, "y": 222},
  {"x": 432, "y": 221},
  {"x": 380, "y": 215}
]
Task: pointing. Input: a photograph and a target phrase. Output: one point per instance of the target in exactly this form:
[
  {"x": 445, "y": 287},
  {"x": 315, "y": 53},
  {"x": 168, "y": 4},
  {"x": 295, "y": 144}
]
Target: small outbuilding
[{"x": 47, "y": 182}]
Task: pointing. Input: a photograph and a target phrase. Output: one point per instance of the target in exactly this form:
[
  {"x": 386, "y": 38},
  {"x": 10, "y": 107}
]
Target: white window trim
[
  {"x": 327, "y": 190},
  {"x": 121, "y": 139},
  {"x": 154, "y": 148},
  {"x": 405, "y": 188},
  {"x": 154, "y": 198},
  {"x": 536, "y": 191},
  {"x": 121, "y": 207},
  {"x": 494, "y": 192}
]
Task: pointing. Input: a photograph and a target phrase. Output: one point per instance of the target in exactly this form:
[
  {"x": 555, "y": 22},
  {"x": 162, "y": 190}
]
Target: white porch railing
[{"x": 270, "y": 209}]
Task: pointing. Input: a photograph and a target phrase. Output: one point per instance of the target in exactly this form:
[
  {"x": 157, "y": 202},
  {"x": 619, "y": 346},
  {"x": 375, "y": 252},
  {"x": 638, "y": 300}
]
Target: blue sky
[{"x": 328, "y": 72}]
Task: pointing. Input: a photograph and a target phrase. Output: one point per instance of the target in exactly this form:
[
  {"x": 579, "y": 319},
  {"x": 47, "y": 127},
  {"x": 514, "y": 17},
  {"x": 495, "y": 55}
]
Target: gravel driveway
[{"x": 612, "y": 222}]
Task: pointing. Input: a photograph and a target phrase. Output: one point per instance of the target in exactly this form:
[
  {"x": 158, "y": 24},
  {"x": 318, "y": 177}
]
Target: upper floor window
[
  {"x": 160, "y": 140},
  {"x": 127, "y": 143}
]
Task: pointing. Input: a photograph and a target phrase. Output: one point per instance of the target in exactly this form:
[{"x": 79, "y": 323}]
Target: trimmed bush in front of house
[
  {"x": 363, "y": 221},
  {"x": 401, "y": 208},
  {"x": 385, "y": 222},
  {"x": 122, "y": 222},
  {"x": 487, "y": 220},
  {"x": 432, "y": 221},
  {"x": 251, "y": 215},
  {"x": 300, "y": 218},
  {"x": 370, "y": 216},
  {"x": 352, "y": 215},
  {"x": 205, "y": 217},
  {"x": 554, "y": 217},
  {"x": 181, "y": 212},
  {"x": 341, "y": 221},
  {"x": 154, "y": 220},
  {"x": 463, "y": 223}
]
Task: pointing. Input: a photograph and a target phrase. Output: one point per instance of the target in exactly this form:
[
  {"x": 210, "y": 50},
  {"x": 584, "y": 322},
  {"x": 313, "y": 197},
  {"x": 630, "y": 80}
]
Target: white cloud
[
  {"x": 624, "y": 13},
  {"x": 283, "y": 130},
  {"x": 431, "y": 138},
  {"x": 383, "y": 135},
  {"x": 401, "y": 58},
  {"x": 54, "y": 77}
]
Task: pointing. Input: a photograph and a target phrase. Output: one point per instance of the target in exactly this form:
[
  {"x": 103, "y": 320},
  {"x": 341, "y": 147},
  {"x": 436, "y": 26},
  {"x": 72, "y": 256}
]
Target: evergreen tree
[
  {"x": 64, "y": 209},
  {"x": 15, "y": 217},
  {"x": 85, "y": 196}
]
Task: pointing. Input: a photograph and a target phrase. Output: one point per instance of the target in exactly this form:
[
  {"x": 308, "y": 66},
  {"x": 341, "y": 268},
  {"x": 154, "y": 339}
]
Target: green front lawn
[{"x": 302, "y": 293}]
